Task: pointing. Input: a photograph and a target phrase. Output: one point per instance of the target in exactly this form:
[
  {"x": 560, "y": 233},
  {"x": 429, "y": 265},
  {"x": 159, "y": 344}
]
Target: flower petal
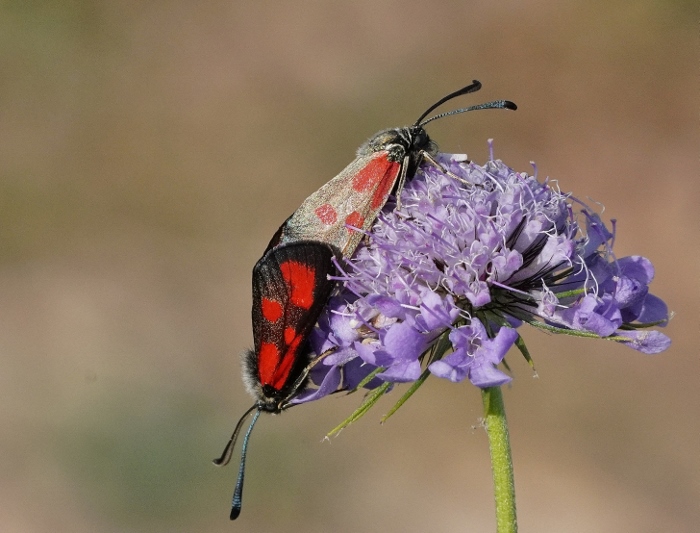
[
  {"x": 329, "y": 384},
  {"x": 401, "y": 371},
  {"x": 453, "y": 367},
  {"x": 649, "y": 342}
]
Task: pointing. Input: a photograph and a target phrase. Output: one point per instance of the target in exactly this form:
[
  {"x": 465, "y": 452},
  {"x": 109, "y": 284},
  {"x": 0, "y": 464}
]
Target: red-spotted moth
[{"x": 290, "y": 282}]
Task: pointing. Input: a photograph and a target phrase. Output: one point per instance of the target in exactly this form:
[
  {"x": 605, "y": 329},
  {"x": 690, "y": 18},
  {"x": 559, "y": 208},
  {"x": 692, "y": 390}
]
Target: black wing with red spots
[{"x": 290, "y": 289}]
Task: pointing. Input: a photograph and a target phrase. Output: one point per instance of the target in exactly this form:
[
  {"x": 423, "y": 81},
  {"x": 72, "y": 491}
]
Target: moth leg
[
  {"x": 427, "y": 157},
  {"x": 319, "y": 358},
  {"x": 304, "y": 375},
  {"x": 402, "y": 182}
]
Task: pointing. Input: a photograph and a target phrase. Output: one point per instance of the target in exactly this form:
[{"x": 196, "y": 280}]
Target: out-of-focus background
[{"x": 149, "y": 150}]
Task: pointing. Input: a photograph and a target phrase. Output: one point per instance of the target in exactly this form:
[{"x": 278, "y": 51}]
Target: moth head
[{"x": 398, "y": 142}]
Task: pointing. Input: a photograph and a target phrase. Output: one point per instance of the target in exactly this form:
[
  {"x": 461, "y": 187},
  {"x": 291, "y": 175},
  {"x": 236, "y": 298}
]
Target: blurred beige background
[{"x": 149, "y": 151}]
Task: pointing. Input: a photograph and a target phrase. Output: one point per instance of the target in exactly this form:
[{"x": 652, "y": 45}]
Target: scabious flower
[{"x": 441, "y": 284}]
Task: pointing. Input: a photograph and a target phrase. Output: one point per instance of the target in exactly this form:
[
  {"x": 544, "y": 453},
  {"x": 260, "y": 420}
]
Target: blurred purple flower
[{"x": 471, "y": 262}]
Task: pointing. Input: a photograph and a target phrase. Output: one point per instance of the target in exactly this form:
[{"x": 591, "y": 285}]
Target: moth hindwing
[{"x": 290, "y": 290}]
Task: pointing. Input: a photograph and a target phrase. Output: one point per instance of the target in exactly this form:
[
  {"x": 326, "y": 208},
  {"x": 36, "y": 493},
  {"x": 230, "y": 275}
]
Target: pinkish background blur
[{"x": 149, "y": 151}]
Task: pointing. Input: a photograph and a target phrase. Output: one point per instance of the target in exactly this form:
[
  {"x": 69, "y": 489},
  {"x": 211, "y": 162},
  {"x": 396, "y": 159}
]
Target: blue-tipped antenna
[
  {"x": 228, "y": 451},
  {"x": 237, "y": 501},
  {"x": 473, "y": 87}
]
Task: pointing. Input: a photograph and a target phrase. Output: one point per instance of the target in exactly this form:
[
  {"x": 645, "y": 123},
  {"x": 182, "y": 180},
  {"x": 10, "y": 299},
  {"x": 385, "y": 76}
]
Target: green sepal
[
  {"x": 569, "y": 294},
  {"x": 564, "y": 331},
  {"x": 413, "y": 388},
  {"x": 520, "y": 344},
  {"x": 369, "y": 377},
  {"x": 644, "y": 325},
  {"x": 371, "y": 398},
  {"x": 576, "y": 333}
]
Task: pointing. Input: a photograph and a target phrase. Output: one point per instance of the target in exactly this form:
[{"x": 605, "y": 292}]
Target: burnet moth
[
  {"x": 354, "y": 198},
  {"x": 290, "y": 282},
  {"x": 291, "y": 286}
]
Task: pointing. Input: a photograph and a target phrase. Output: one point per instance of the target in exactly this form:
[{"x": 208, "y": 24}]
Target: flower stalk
[{"x": 501, "y": 461}]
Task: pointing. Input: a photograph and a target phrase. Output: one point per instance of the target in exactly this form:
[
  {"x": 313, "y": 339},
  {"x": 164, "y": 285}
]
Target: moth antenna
[
  {"x": 496, "y": 104},
  {"x": 237, "y": 501},
  {"x": 228, "y": 450},
  {"x": 472, "y": 88}
]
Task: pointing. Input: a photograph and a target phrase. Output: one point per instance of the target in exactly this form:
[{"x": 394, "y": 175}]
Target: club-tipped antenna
[
  {"x": 496, "y": 104},
  {"x": 228, "y": 450},
  {"x": 237, "y": 500},
  {"x": 471, "y": 88}
]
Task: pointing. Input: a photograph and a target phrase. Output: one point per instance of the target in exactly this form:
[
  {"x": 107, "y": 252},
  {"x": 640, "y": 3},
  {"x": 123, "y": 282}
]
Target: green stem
[{"x": 501, "y": 462}]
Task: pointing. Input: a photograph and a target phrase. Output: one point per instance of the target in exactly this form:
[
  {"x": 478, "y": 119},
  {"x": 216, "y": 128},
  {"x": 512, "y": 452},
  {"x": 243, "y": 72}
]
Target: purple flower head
[{"x": 441, "y": 284}]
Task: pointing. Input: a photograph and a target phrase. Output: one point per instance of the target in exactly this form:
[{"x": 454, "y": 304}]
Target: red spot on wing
[
  {"x": 294, "y": 345},
  {"x": 280, "y": 378},
  {"x": 301, "y": 282},
  {"x": 385, "y": 185},
  {"x": 289, "y": 335},
  {"x": 355, "y": 220},
  {"x": 268, "y": 360},
  {"x": 372, "y": 174},
  {"x": 271, "y": 310},
  {"x": 293, "y": 341},
  {"x": 326, "y": 214}
]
